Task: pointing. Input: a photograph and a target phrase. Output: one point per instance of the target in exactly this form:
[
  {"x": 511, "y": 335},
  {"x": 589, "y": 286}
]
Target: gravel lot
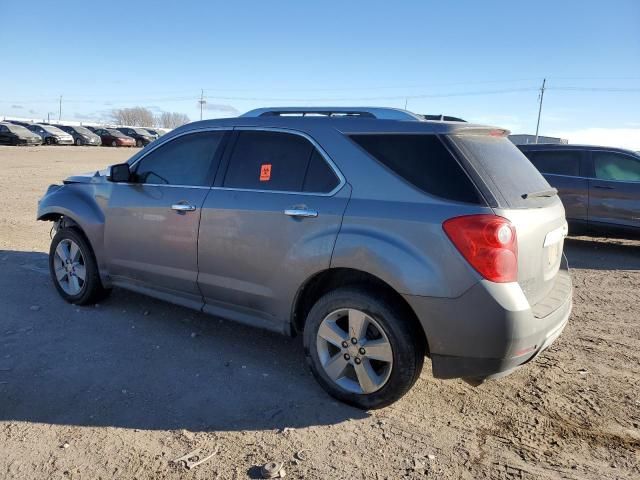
[{"x": 119, "y": 390}]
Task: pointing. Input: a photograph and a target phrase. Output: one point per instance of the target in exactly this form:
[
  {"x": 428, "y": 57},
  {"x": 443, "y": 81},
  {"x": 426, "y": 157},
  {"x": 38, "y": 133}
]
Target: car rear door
[
  {"x": 270, "y": 222},
  {"x": 563, "y": 169},
  {"x": 151, "y": 225},
  {"x": 614, "y": 190}
]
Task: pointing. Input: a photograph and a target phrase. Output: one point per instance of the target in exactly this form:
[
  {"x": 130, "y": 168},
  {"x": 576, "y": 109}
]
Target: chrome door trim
[{"x": 332, "y": 165}]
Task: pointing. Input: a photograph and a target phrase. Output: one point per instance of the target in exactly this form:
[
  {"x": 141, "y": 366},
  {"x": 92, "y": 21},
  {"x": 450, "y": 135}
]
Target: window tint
[
  {"x": 320, "y": 177},
  {"x": 503, "y": 168},
  {"x": 556, "y": 163},
  {"x": 184, "y": 161},
  {"x": 615, "y": 166},
  {"x": 423, "y": 161},
  {"x": 269, "y": 161}
]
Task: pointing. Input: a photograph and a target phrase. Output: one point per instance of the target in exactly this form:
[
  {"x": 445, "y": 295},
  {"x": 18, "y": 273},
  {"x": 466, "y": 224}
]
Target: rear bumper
[{"x": 491, "y": 329}]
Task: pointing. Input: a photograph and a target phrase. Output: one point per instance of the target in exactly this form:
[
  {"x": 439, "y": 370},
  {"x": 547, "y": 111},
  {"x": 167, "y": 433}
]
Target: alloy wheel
[
  {"x": 354, "y": 351},
  {"x": 69, "y": 266}
]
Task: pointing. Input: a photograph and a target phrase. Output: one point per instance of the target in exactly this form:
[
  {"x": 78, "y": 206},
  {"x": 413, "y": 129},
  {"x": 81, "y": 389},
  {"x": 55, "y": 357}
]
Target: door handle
[
  {"x": 301, "y": 213},
  {"x": 183, "y": 207},
  {"x": 603, "y": 187}
]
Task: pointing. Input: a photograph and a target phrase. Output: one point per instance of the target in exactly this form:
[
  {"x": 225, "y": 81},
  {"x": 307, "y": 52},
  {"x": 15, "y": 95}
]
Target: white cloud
[{"x": 609, "y": 137}]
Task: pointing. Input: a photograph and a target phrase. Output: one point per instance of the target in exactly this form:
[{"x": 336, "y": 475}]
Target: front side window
[
  {"x": 278, "y": 161},
  {"x": 616, "y": 166},
  {"x": 556, "y": 163},
  {"x": 187, "y": 160}
]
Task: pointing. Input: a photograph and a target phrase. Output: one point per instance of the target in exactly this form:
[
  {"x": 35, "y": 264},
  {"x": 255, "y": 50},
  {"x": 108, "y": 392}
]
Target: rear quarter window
[{"x": 423, "y": 161}]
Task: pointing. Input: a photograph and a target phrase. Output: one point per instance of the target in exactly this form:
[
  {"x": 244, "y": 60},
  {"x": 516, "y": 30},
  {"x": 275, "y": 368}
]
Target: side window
[
  {"x": 187, "y": 160},
  {"x": 3, "y": 129},
  {"x": 320, "y": 178},
  {"x": 616, "y": 166},
  {"x": 422, "y": 161},
  {"x": 556, "y": 163},
  {"x": 264, "y": 160}
]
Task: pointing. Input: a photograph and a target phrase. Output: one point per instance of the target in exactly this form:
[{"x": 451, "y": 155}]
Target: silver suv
[{"x": 379, "y": 236}]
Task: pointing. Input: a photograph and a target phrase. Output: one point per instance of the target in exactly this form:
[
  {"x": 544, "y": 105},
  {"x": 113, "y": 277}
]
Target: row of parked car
[{"x": 22, "y": 133}]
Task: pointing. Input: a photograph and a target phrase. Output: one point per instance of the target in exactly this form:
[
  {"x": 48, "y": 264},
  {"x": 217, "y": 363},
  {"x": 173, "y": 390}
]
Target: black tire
[
  {"x": 139, "y": 143},
  {"x": 48, "y": 141},
  {"x": 398, "y": 325},
  {"x": 92, "y": 290},
  {"x": 78, "y": 142},
  {"x": 114, "y": 143}
]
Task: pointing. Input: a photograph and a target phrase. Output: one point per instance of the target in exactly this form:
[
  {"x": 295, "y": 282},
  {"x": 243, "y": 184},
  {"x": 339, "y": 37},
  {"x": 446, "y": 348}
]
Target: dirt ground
[{"x": 119, "y": 390}]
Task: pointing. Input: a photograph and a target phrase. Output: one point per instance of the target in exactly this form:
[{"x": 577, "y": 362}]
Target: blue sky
[{"x": 481, "y": 60}]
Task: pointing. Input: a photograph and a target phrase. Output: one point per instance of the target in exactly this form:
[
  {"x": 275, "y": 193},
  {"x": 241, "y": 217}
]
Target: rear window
[
  {"x": 556, "y": 163},
  {"x": 423, "y": 161},
  {"x": 505, "y": 170}
]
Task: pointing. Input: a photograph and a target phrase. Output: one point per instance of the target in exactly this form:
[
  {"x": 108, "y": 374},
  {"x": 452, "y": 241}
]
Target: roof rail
[{"x": 381, "y": 113}]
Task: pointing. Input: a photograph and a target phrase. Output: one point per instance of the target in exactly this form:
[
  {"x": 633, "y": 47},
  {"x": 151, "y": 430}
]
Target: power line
[{"x": 544, "y": 80}]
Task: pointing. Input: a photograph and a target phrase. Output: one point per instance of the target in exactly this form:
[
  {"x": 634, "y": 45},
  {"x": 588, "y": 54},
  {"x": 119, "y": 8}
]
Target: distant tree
[
  {"x": 171, "y": 119},
  {"x": 134, "y": 117}
]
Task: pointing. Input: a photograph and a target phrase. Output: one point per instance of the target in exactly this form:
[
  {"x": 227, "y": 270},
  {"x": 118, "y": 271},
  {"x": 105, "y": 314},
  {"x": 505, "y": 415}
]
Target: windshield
[
  {"x": 141, "y": 131},
  {"x": 53, "y": 130},
  {"x": 508, "y": 174},
  {"x": 18, "y": 130},
  {"x": 115, "y": 133},
  {"x": 83, "y": 131}
]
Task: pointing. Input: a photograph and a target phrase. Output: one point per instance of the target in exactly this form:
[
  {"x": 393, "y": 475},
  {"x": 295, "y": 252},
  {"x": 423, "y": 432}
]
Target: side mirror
[{"x": 119, "y": 173}]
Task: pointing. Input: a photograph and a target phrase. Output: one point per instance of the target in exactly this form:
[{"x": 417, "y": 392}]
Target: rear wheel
[
  {"x": 48, "y": 141},
  {"x": 362, "y": 349},
  {"x": 73, "y": 268}
]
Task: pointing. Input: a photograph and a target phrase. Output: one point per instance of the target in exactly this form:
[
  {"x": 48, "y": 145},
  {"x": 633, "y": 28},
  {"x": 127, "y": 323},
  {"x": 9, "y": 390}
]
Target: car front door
[
  {"x": 151, "y": 226},
  {"x": 564, "y": 170},
  {"x": 614, "y": 190},
  {"x": 270, "y": 222}
]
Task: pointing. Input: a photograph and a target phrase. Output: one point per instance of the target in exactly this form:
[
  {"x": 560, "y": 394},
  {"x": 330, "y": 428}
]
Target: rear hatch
[{"x": 517, "y": 191}]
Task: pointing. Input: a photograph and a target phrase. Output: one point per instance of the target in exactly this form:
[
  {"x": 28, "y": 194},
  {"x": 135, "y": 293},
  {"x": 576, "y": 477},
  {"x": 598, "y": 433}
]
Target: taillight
[{"x": 488, "y": 243}]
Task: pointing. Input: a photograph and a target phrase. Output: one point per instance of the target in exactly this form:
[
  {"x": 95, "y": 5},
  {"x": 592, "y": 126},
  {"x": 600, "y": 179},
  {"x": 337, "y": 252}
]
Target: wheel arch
[{"x": 326, "y": 280}]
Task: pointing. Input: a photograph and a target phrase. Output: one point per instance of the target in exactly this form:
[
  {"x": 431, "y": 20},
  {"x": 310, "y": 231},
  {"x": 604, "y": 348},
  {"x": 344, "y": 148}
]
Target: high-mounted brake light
[{"x": 488, "y": 242}]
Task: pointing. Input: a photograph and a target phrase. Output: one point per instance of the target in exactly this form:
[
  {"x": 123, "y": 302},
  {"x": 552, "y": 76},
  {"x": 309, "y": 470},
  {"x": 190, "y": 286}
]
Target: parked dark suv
[
  {"x": 379, "y": 237},
  {"x": 599, "y": 186}
]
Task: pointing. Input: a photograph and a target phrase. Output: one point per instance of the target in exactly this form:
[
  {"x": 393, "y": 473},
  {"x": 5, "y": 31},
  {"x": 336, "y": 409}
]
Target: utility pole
[
  {"x": 544, "y": 80},
  {"x": 406, "y": 101},
  {"x": 60, "y": 109},
  {"x": 202, "y": 101}
]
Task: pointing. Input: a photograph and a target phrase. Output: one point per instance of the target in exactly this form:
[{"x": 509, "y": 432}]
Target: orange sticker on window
[{"x": 265, "y": 172}]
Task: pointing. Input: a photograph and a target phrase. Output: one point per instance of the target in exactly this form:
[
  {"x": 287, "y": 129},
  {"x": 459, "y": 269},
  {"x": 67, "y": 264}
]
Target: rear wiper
[{"x": 550, "y": 192}]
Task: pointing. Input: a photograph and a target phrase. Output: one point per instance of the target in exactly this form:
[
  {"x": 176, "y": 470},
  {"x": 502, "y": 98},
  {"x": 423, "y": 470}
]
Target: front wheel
[
  {"x": 114, "y": 143},
  {"x": 73, "y": 268},
  {"x": 78, "y": 142},
  {"x": 362, "y": 348}
]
